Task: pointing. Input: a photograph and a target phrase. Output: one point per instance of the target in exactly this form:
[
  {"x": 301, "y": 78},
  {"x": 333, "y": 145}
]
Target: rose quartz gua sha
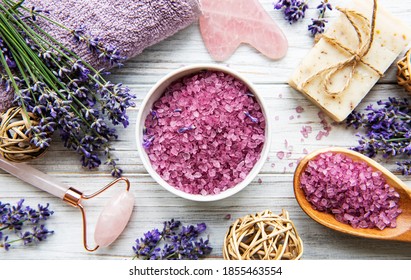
[
  {"x": 225, "y": 24},
  {"x": 112, "y": 220}
]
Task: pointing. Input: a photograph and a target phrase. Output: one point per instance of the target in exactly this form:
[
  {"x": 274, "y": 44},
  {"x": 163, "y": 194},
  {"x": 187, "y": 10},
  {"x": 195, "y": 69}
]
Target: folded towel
[{"x": 129, "y": 25}]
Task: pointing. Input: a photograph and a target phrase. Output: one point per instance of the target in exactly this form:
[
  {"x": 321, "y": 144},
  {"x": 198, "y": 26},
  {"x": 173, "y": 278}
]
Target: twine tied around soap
[{"x": 356, "y": 56}]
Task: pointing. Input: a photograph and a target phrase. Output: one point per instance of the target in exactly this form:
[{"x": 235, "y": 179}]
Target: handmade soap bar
[{"x": 349, "y": 59}]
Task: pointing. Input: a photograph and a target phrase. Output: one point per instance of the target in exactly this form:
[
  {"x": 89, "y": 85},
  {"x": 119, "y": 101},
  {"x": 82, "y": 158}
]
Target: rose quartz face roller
[{"x": 113, "y": 218}]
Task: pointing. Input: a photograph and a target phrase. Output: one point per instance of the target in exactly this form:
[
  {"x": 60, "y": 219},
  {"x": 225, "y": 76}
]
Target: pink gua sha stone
[
  {"x": 225, "y": 24},
  {"x": 114, "y": 218}
]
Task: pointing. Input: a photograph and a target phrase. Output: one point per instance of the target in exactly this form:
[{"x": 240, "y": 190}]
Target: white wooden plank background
[{"x": 272, "y": 189}]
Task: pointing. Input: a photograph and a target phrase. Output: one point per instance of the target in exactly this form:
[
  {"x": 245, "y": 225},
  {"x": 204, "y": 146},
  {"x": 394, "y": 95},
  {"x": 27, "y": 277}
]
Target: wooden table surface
[{"x": 271, "y": 189}]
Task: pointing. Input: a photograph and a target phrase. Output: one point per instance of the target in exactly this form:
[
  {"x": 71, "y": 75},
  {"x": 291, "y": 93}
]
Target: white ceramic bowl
[{"x": 156, "y": 92}]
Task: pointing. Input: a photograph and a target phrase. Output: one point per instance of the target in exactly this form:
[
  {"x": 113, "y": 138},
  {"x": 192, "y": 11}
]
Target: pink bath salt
[
  {"x": 351, "y": 190},
  {"x": 280, "y": 154},
  {"x": 306, "y": 130},
  {"x": 299, "y": 109},
  {"x": 210, "y": 132}
]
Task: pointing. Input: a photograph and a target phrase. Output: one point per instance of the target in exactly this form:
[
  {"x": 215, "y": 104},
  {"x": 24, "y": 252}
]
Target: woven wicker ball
[
  {"x": 263, "y": 236},
  {"x": 404, "y": 72},
  {"x": 14, "y": 140}
]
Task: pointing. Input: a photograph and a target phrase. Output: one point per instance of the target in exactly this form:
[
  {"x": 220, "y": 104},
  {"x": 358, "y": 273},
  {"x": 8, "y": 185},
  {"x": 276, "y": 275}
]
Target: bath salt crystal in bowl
[
  {"x": 203, "y": 132},
  {"x": 352, "y": 190}
]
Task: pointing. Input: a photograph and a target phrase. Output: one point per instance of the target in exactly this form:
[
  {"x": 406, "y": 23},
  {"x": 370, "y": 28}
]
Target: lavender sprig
[
  {"x": 16, "y": 218},
  {"x": 318, "y": 25},
  {"x": 387, "y": 131},
  {"x": 293, "y": 10},
  {"x": 174, "y": 242}
]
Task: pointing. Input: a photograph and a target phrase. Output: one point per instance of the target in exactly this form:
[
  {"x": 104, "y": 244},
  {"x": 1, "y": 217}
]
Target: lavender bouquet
[{"x": 64, "y": 91}]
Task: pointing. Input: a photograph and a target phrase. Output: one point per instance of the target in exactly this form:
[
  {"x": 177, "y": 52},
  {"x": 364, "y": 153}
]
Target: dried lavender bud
[
  {"x": 253, "y": 119},
  {"x": 185, "y": 129},
  {"x": 148, "y": 141},
  {"x": 4, "y": 243}
]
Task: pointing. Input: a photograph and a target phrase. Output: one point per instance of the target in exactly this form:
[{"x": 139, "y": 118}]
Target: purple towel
[{"x": 129, "y": 25}]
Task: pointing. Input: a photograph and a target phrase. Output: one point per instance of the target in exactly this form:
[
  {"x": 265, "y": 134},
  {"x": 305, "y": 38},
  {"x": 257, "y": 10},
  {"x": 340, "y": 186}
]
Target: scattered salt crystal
[
  {"x": 354, "y": 198},
  {"x": 305, "y": 130},
  {"x": 280, "y": 154},
  {"x": 299, "y": 109}
]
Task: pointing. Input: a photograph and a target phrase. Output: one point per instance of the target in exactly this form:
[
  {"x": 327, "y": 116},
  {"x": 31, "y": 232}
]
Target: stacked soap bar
[{"x": 391, "y": 36}]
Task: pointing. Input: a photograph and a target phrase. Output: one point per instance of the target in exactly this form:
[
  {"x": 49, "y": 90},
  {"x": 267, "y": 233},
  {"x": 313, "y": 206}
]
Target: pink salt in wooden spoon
[
  {"x": 403, "y": 230},
  {"x": 113, "y": 218},
  {"x": 225, "y": 24}
]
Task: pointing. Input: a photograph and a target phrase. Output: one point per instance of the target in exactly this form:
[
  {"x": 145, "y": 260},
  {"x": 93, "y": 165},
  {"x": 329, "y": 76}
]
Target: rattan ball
[
  {"x": 263, "y": 236},
  {"x": 404, "y": 72},
  {"x": 15, "y": 136}
]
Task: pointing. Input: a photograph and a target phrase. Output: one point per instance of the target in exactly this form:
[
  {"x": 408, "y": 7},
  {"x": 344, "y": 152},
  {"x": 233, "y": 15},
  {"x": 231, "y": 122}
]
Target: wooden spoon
[{"x": 403, "y": 230}]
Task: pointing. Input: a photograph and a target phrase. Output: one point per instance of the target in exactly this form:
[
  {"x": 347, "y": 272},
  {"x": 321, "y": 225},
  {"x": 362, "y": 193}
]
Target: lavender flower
[
  {"x": 317, "y": 26},
  {"x": 178, "y": 243},
  {"x": 16, "y": 218},
  {"x": 387, "y": 130},
  {"x": 293, "y": 10},
  {"x": 37, "y": 234}
]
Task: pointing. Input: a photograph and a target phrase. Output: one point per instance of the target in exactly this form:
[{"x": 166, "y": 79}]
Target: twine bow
[{"x": 356, "y": 56}]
